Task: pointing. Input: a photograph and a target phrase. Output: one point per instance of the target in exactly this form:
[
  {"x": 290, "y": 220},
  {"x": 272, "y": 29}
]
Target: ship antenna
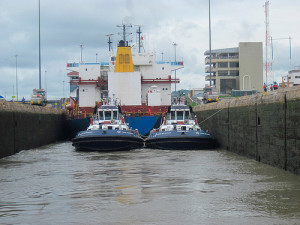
[
  {"x": 109, "y": 41},
  {"x": 139, "y": 33},
  {"x": 124, "y": 27}
]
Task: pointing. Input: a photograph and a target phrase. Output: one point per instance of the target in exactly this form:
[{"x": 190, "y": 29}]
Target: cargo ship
[{"x": 139, "y": 83}]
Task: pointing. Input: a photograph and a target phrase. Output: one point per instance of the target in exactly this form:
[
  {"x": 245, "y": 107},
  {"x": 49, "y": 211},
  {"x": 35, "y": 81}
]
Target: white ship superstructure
[{"x": 118, "y": 79}]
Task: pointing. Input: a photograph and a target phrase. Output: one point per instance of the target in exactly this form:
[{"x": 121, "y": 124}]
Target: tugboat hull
[
  {"x": 176, "y": 140},
  {"x": 109, "y": 140}
]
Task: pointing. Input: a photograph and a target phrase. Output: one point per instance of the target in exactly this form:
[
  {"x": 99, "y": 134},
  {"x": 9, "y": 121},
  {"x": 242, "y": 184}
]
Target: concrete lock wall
[
  {"x": 24, "y": 127},
  {"x": 265, "y": 127}
]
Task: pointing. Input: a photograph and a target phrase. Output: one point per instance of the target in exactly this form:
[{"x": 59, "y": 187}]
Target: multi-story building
[{"x": 239, "y": 68}]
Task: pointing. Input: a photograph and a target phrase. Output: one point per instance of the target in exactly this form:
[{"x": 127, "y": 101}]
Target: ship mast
[
  {"x": 109, "y": 41},
  {"x": 139, "y": 33},
  {"x": 124, "y": 33}
]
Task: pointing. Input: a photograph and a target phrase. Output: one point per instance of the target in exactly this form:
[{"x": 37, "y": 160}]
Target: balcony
[
  {"x": 160, "y": 80},
  {"x": 215, "y": 59},
  {"x": 213, "y": 69},
  {"x": 207, "y": 78},
  {"x": 99, "y": 82}
]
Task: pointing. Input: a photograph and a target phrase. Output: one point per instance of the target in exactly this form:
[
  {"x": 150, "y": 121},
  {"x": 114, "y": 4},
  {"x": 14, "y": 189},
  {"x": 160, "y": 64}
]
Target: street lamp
[
  {"x": 46, "y": 81},
  {"x": 81, "y": 46},
  {"x": 175, "y": 44},
  {"x": 209, "y": 47},
  {"x": 63, "y": 88}
]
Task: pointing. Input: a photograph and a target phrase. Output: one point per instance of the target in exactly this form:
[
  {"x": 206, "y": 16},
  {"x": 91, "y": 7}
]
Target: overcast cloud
[{"x": 65, "y": 24}]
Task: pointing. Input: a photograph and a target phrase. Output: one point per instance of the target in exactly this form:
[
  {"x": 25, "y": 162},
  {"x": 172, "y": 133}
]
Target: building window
[
  {"x": 234, "y": 73},
  {"x": 223, "y": 73},
  {"x": 234, "y": 65},
  {"x": 223, "y": 64},
  {"x": 163, "y": 68}
]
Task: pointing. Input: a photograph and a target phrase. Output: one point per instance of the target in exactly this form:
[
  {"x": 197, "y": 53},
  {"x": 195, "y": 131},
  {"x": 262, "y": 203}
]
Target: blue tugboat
[
  {"x": 180, "y": 131},
  {"x": 108, "y": 133}
]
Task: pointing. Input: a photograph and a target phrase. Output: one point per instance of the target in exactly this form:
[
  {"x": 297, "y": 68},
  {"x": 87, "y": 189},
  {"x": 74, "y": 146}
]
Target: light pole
[
  {"x": 96, "y": 57},
  {"x": 63, "y": 89},
  {"x": 40, "y": 61},
  {"x": 209, "y": 47},
  {"x": 175, "y": 44},
  {"x": 46, "y": 82},
  {"x": 81, "y": 46},
  {"x": 17, "y": 76}
]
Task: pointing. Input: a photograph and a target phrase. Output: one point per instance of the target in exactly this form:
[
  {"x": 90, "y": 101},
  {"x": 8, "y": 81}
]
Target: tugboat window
[
  {"x": 172, "y": 115},
  {"x": 107, "y": 115},
  {"x": 101, "y": 117},
  {"x": 180, "y": 115},
  {"x": 186, "y": 115},
  {"x": 115, "y": 115}
]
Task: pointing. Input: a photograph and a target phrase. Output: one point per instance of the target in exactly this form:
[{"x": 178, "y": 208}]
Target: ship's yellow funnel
[{"x": 124, "y": 60}]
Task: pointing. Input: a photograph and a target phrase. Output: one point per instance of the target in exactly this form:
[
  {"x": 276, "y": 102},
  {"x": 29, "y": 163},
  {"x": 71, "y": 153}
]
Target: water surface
[{"x": 57, "y": 185}]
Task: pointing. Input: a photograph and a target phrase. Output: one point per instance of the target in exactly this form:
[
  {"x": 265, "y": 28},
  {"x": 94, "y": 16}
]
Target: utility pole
[
  {"x": 290, "y": 42},
  {"x": 268, "y": 63}
]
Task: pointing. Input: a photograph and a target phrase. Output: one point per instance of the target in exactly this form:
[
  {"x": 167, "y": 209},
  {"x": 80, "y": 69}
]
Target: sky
[{"x": 67, "y": 24}]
